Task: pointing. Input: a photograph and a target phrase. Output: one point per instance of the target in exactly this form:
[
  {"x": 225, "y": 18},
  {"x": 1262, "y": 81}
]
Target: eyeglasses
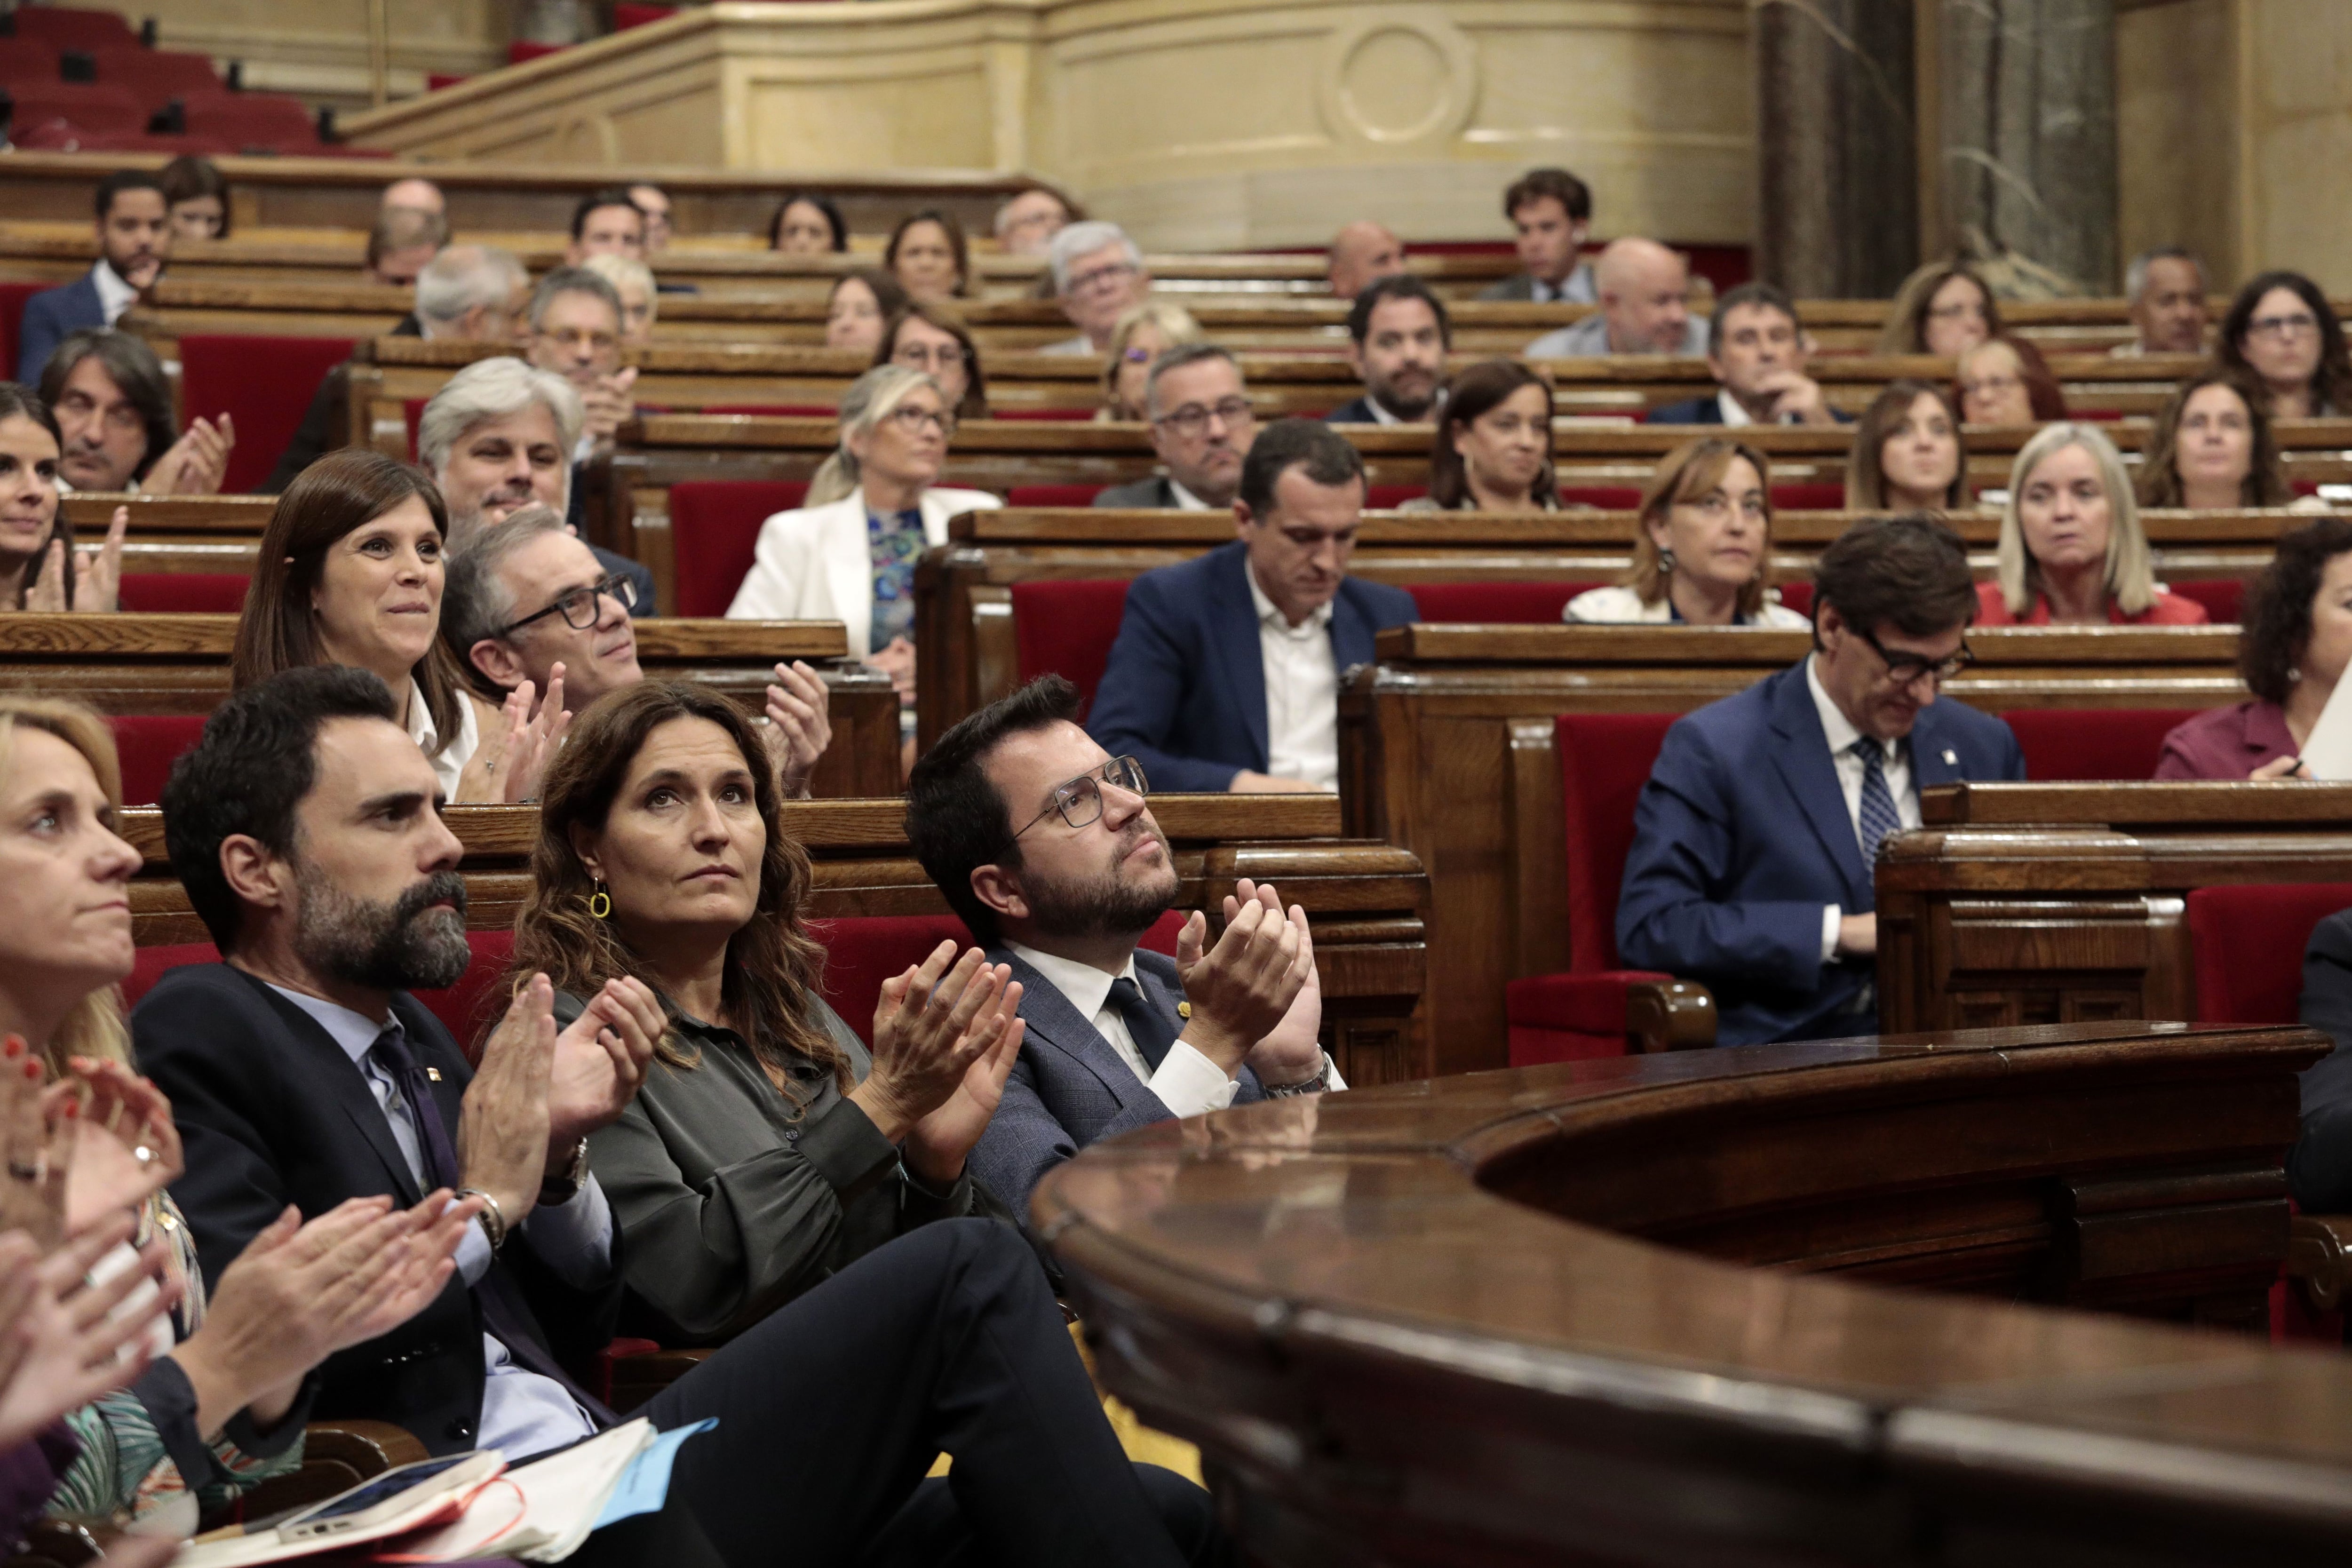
[
  {"x": 1108, "y": 276},
  {"x": 1193, "y": 419},
  {"x": 1953, "y": 312},
  {"x": 2292, "y": 326},
  {"x": 579, "y": 607},
  {"x": 1080, "y": 800},
  {"x": 911, "y": 419},
  {"x": 1904, "y": 669},
  {"x": 939, "y": 356}
]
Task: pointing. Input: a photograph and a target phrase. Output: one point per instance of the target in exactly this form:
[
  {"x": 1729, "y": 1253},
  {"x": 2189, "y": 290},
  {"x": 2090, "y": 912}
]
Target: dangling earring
[
  {"x": 600, "y": 904},
  {"x": 1665, "y": 562},
  {"x": 2293, "y": 675}
]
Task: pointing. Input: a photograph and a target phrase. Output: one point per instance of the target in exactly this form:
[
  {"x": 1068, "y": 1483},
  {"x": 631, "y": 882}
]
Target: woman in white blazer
[
  {"x": 1701, "y": 546},
  {"x": 849, "y": 555}
]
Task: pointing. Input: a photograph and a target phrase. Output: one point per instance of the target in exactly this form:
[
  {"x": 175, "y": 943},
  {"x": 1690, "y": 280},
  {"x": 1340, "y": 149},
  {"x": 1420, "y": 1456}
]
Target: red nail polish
[{"x": 16, "y": 1045}]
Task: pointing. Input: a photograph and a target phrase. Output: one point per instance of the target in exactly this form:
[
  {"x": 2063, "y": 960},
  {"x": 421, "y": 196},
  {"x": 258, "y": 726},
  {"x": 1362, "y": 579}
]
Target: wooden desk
[
  {"x": 1578, "y": 1314},
  {"x": 180, "y": 664},
  {"x": 2025, "y": 903},
  {"x": 1366, "y": 903},
  {"x": 1446, "y": 748},
  {"x": 175, "y": 533}
]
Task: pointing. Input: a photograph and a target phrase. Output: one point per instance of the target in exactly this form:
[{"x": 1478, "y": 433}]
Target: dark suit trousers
[{"x": 948, "y": 1340}]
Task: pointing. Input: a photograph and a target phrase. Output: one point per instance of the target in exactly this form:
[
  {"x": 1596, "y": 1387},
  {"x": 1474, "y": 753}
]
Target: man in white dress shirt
[
  {"x": 1047, "y": 848},
  {"x": 134, "y": 238}
]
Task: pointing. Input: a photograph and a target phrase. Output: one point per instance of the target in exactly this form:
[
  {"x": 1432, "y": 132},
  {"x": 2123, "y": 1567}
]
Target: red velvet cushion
[
  {"x": 1608, "y": 498},
  {"x": 1053, "y": 495},
  {"x": 1388, "y": 498},
  {"x": 466, "y": 1008},
  {"x": 2093, "y": 745},
  {"x": 148, "y": 744},
  {"x": 863, "y": 951},
  {"x": 523, "y": 49},
  {"x": 1569, "y": 1017},
  {"x": 1604, "y": 761},
  {"x": 1809, "y": 496},
  {"x": 714, "y": 527},
  {"x": 85, "y": 106},
  {"x": 1067, "y": 628},
  {"x": 185, "y": 593},
  {"x": 263, "y": 120},
  {"x": 2221, "y": 597},
  {"x": 1798, "y": 595},
  {"x": 13, "y": 295},
  {"x": 75, "y": 27},
  {"x": 157, "y": 76},
  {"x": 265, "y": 383},
  {"x": 2247, "y": 944},
  {"x": 1494, "y": 604},
  {"x": 148, "y": 965},
  {"x": 626, "y": 17}
]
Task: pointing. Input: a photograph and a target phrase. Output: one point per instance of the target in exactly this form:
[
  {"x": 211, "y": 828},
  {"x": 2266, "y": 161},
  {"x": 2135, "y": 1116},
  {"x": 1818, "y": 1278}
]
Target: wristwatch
[
  {"x": 1316, "y": 1084},
  {"x": 563, "y": 1186}
]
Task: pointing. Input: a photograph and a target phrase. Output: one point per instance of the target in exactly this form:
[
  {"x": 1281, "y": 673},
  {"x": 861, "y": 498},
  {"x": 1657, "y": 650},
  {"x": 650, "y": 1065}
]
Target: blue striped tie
[{"x": 1879, "y": 816}]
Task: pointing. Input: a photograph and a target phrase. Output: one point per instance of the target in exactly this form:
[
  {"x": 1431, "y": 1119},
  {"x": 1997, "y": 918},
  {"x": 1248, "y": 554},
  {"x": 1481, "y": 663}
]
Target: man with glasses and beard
[
  {"x": 523, "y": 599},
  {"x": 1045, "y": 846},
  {"x": 1755, "y": 837},
  {"x": 307, "y": 829}
]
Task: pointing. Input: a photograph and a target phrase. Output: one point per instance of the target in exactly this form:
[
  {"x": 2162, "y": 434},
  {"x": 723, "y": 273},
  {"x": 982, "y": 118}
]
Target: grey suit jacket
[
  {"x": 1152, "y": 492},
  {"x": 1579, "y": 289},
  {"x": 1070, "y": 1089}
]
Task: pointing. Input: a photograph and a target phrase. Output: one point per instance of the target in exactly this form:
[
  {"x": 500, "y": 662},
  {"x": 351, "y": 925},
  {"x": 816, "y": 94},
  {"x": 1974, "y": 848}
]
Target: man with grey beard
[{"x": 1045, "y": 846}]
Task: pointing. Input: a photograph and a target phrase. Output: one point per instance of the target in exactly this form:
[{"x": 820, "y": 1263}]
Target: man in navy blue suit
[
  {"x": 134, "y": 235},
  {"x": 1755, "y": 837},
  {"x": 1226, "y": 674},
  {"x": 1048, "y": 850},
  {"x": 1756, "y": 348}
]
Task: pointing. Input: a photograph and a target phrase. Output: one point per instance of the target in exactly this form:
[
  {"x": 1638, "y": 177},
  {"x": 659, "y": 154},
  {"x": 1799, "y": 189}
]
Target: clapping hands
[{"x": 97, "y": 574}]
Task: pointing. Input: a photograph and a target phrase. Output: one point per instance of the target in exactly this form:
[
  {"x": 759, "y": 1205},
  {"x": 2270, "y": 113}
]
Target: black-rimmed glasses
[
  {"x": 1904, "y": 669},
  {"x": 1080, "y": 800},
  {"x": 578, "y": 607}
]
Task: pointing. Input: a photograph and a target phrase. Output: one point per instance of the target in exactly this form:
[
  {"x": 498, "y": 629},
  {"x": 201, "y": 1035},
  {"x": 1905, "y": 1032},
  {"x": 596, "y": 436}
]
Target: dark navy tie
[
  {"x": 1879, "y": 816},
  {"x": 391, "y": 1054},
  {"x": 1151, "y": 1033}
]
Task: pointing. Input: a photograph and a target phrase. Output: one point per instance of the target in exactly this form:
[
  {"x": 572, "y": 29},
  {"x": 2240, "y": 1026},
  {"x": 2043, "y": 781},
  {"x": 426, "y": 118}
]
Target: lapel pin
[
  {"x": 433, "y": 1073},
  {"x": 1952, "y": 758},
  {"x": 1183, "y": 1009}
]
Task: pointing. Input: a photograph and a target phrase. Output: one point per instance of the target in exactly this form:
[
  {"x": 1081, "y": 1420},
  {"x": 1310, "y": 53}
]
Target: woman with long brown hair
[
  {"x": 2284, "y": 334},
  {"x": 925, "y": 337},
  {"x": 1941, "y": 308},
  {"x": 1701, "y": 546},
  {"x": 2211, "y": 448},
  {"x": 351, "y": 573},
  {"x": 1909, "y": 453},
  {"x": 763, "y": 1152},
  {"x": 1493, "y": 446},
  {"x": 40, "y": 568}
]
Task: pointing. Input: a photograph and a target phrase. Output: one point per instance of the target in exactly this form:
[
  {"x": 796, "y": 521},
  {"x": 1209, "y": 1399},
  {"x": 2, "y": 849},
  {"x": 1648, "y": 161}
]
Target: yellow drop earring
[{"x": 600, "y": 903}]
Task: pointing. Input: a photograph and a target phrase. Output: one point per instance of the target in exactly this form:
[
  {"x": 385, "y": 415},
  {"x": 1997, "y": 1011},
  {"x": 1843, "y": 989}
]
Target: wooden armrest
[
  {"x": 58, "y": 1543},
  {"x": 336, "y": 1457},
  {"x": 2316, "y": 1257},
  {"x": 1668, "y": 1015},
  {"x": 637, "y": 1378}
]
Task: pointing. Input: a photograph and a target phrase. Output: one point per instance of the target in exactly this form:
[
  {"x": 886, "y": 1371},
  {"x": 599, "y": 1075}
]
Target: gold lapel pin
[
  {"x": 1183, "y": 1009},
  {"x": 1952, "y": 758},
  {"x": 433, "y": 1073}
]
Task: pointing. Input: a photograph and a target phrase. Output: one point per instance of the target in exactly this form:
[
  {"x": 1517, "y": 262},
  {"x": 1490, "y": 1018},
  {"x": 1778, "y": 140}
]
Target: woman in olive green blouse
[{"x": 767, "y": 1149}]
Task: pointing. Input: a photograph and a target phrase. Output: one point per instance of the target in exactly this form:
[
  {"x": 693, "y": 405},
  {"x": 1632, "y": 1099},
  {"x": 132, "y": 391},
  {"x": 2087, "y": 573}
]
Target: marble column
[
  {"x": 2027, "y": 132},
  {"x": 1837, "y": 146}
]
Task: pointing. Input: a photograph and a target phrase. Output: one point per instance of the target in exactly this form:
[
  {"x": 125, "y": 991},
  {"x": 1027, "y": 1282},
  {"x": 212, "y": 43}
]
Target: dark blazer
[
  {"x": 273, "y": 1112},
  {"x": 1741, "y": 836},
  {"x": 1069, "y": 1087},
  {"x": 1184, "y": 690},
  {"x": 50, "y": 315},
  {"x": 2319, "y": 1165},
  {"x": 1357, "y": 411},
  {"x": 1143, "y": 494},
  {"x": 1706, "y": 410},
  {"x": 1579, "y": 288}
]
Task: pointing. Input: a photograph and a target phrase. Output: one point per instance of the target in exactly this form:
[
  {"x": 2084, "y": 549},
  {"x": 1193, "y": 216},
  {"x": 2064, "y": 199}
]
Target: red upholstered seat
[
  {"x": 92, "y": 107},
  {"x": 158, "y": 76},
  {"x": 148, "y": 744},
  {"x": 269, "y": 120},
  {"x": 714, "y": 526},
  {"x": 1065, "y": 629},
  {"x": 2246, "y": 944},
  {"x": 1608, "y": 498},
  {"x": 1388, "y": 498},
  {"x": 2221, "y": 597},
  {"x": 1808, "y": 497},
  {"x": 31, "y": 60},
  {"x": 148, "y": 965},
  {"x": 2093, "y": 745},
  {"x": 465, "y": 1007},
  {"x": 1798, "y": 595},
  {"x": 13, "y": 295},
  {"x": 1604, "y": 761},
  {"x": 627, "y": 16},
  {"x": 1053, "y": 495},
  {"x": 185, "y": 593},
  {"x": 1494, "y": 604},
  {"x": 70, "y": 28},
  {"x": 265, "y": 383},
  {"x": 523, "y": 49}
]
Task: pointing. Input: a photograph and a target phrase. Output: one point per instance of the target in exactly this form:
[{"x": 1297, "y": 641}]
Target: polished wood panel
[
  {"x": 1367, "y": 903},
  {"x": 1578, "y": 1314},
  {"x": 180, "y": 664},
  {"x": 1446, "y": 749}
]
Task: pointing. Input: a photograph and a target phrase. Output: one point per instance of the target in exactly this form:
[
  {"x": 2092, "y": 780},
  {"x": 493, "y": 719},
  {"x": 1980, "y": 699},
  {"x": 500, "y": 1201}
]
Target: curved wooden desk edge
[{"x": 1381, "y": 1354}]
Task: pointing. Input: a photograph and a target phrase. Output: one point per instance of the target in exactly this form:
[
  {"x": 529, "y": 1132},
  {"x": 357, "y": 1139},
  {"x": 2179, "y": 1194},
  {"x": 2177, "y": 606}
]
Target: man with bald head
[
  {"x": 1363, "y": 253},
  {"x": 1644, "y": 290},
  {"x": 421, "y": 194}
]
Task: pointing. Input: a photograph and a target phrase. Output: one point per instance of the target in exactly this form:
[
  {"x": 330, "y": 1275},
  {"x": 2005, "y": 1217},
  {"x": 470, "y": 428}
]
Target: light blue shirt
[{"x": 522, "y": 1413}]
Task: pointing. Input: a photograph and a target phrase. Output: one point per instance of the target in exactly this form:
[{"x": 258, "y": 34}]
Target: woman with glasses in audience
[
  {"x": 2071, "y": 548},
  {"x": 925, "y": 337},
  {"x": 1492, "y": 451},
  {"x": 1909, "y": 454},
  {"x": 807, "y": 223},
  {"x": 873, "y": 509},
  {"x": 39, "y": 567},
  {"x": 2282, "y": 333},
  {"x": 2211, "y": 449},
  {"x": 2294, "y": 644},
  {"x": 1701, "y": 546},
  {"x": 1142, "y": 334},
  {"x": 351, "y": 573},
  {"x": 854, "y": 312},
  {"x": 1940, "y": 310},
  {"x": 928, "y": 255},
  {"x": 218, "y": 1374},
  {"x": 2005, "y": 381}
]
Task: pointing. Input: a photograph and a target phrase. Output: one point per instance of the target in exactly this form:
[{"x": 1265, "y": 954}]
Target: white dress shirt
[
  {"x": 1185, "y": 499},
  {"x": 115, "y": 294},
  {"x": 450, "y": 757},
  {"x": 1187, "y": 1082},
  {"x": 1302, "y": 691},
  {"x": 522, "y": 1413},
  {"x": 1897, "y": 766},
  {"x": 1734, "y": 413}
]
